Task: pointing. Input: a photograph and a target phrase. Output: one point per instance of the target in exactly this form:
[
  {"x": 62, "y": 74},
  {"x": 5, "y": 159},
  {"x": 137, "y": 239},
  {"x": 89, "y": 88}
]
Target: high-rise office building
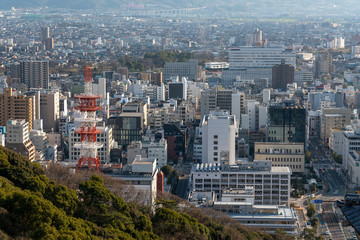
[
  {"x": 323, "y": 64},
  {"x": 35, "y": 74},
  {"x": 50, "y": 110},
  {"x": 49, "y": 43},
  {"x": 45, "y": 33},
  {"x": 282, "y": 75},
  {"x": 15, "y": 106},
  {"x": 46, "y": 105},
  {"x": 18, "y": 138},
  {"x": 218, "y": 130},
  {"x": 222, "y": 99},
  {"x": 286, "y": 123}
]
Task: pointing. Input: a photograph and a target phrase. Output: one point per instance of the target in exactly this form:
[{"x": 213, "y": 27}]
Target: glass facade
[{"x": 286, "y": 123}]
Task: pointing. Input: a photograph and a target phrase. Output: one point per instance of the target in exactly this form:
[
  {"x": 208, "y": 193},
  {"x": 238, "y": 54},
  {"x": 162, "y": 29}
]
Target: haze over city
[{"x": 179, "y": 119}]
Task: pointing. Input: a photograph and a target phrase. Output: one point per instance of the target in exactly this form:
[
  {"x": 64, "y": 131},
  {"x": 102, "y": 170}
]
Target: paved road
[
  {"x": 337, "y": 186},
  {"x": 329, "y": 221},
  {"x": 326, "y": 166},
  {"x": 333, "y": 223}
]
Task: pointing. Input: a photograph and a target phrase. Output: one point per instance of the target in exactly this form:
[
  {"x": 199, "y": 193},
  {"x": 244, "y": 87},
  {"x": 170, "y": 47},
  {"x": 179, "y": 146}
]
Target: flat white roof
[{"x": 280, "y": 169}]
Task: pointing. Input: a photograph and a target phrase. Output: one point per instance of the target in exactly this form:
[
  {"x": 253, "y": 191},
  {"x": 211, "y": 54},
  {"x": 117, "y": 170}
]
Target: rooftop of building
[
  {"x": 258, "y": 166},
  {"x": 283, "y": 213},
  {"x": 130, "y": 114},
  {"x": 280, "y": 143},
  {"x": 280, "y": 170},
  {"x": 16, "y": 122}
]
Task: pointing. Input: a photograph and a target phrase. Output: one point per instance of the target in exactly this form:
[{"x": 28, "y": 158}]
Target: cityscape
[{"x": 180, "y": 120}]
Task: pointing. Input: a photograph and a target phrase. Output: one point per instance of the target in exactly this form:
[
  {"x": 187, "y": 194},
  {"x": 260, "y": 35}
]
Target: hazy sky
[{"x": 267, "y": 7}]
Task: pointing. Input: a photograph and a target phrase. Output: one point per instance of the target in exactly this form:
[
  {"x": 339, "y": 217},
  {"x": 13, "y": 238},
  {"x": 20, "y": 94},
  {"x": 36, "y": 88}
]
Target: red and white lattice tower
[{"x": 87, "y": 104}]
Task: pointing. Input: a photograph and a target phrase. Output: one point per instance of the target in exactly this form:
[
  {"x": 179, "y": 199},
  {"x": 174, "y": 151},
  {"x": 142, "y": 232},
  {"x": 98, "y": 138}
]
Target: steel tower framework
[{"x": 87, "y": 104}]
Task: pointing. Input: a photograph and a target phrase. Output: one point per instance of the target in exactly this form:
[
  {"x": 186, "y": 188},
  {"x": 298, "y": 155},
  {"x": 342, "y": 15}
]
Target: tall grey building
[
  {"x": 323, "y": 64},
  {"x": 45, "y": 33},
  {"x": 182, "y": 69},
  {"x": 35, "y": 74},
  {"x": 222, "y": 99}
]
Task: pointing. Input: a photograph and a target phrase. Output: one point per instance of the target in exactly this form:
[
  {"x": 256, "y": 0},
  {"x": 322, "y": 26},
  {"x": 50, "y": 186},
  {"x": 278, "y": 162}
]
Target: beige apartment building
[
  {"x": 281, "y": 154},
  {"x": 18, "y": 138},
  {"x": 331, "y": 118},
  {"x": 16, "y": 106}
]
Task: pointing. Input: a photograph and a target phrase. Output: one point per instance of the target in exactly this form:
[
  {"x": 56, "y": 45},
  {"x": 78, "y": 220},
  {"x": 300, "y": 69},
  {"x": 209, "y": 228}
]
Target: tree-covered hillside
[{"x": 34, "y": 207}]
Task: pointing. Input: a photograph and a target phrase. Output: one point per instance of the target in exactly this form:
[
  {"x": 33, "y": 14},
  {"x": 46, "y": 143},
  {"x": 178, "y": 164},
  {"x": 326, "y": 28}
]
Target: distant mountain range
[{"x": 269, "y": 7}]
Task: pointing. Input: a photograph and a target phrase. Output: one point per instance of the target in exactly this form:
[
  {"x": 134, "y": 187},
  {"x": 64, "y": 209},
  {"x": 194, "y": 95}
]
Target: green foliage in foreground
[{"x": 33, "y": 207}]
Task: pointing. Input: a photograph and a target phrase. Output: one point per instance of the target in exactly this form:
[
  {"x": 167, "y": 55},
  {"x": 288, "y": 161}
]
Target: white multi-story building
[
  {"x": 156, "y": 93},
  {"x": 100, "y": 88},
  {"x": 238, "y": 105},
  {"x": 185, "y": 112},
  {"x": 39, "y": 138},
  {"x": 105, "y": 137},
  {"x": 271, "y": 184},
  {"x": 193, "y": 91},
  {"x": 142, "y": 175},
  {"x": 159, "y": 116},
  {"x": 314, "y": 122},
  {"x": 337, "y": 140},
  {"x": 151, "y": 149},
  {"x": 135, "y": 149},
  {"x": 303, "y": 76},
  {"x": 355, "y": 51},
  {"x": 197, "y": 152},
  {"x": 216, "y": 65},
  {"x": 254, "y": 57},
  {"x": 218, "y": 131},
  {"x": 351, "y": 141},
  {"x": 255, "y": 116},
  {"x": 158, "y": 151},
  {"x": 254, "y": 63}
]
